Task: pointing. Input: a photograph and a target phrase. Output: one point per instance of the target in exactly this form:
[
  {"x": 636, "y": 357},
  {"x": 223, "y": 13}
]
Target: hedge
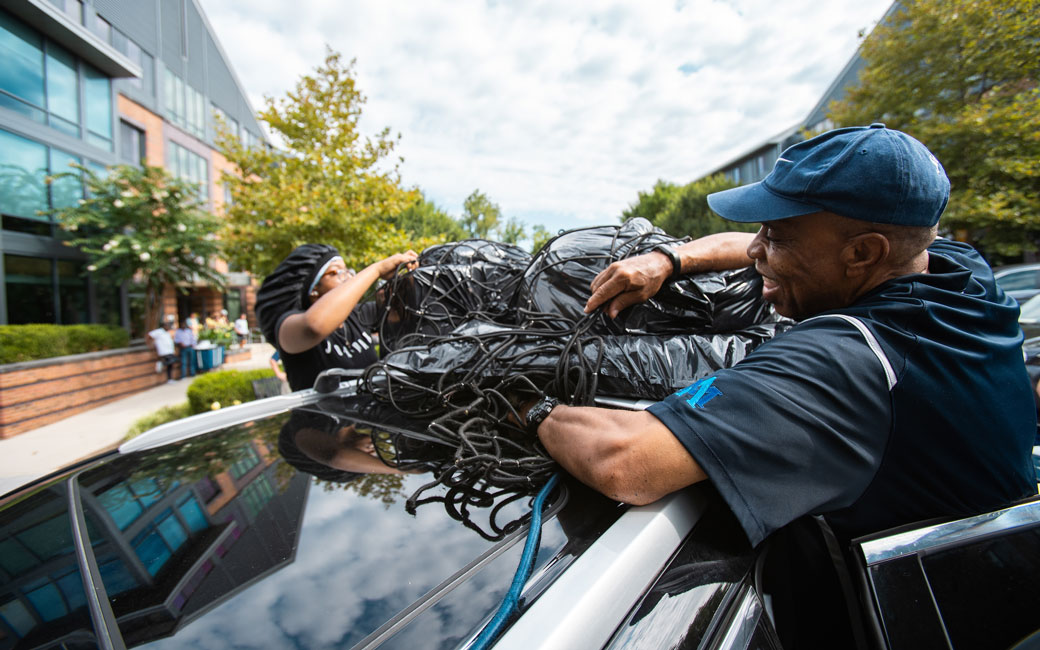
[
  {"x": 43, "y": 341},
  {"x": 224, "y": 387}
]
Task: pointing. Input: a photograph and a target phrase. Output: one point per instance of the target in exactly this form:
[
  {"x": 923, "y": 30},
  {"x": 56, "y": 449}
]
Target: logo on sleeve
[{"x": 700, "y": 392}]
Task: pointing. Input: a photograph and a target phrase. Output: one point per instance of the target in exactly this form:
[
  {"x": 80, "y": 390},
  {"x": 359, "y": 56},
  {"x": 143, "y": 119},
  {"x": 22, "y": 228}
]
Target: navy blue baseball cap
[{"x": 863, "y": 172}]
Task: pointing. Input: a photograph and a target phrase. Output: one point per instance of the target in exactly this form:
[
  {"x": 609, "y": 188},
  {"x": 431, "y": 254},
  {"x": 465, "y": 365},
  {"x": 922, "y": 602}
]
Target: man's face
[
  {"x": 335, "y": 275},
  {"x": 799, "y": 260}
]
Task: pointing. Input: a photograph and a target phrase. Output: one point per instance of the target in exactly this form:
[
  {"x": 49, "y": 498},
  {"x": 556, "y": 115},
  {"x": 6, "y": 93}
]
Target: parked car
[
  {"x": 1029, "y": 317},
  {"x": 1020, "y": 281},
  {"x": 220, "y": 531}
]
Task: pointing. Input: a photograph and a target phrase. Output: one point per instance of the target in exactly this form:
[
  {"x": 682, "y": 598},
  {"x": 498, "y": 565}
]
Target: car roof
[{"x": 205, "y": 535}]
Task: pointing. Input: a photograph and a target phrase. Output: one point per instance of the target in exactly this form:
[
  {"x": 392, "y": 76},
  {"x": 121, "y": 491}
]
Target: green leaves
[
  {"x": 143, "y": 224},
  {"x": 325, "y": 183},
  {"x": 682, "y": 211},
  {"x": 961, "y": 76}
]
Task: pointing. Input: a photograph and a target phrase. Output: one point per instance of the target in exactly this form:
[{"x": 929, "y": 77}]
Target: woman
[{"x": 306, "y": 309}]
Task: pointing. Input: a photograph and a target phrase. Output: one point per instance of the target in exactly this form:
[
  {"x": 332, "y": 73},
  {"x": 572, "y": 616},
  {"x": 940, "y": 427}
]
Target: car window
[
  {"x": 1031, "y": 309},
  {"x": 1018, "y": 280}
]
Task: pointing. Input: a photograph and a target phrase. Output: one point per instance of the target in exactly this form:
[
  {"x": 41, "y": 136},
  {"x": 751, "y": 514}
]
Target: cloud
[{"x": 560, "y": 112}]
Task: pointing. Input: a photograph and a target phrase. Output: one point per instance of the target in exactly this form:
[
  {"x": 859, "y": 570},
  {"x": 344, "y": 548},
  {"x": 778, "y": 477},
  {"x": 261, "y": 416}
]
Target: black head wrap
[
  {"x": 285, "y": 289},
  {"x": 293, "y": 455}
]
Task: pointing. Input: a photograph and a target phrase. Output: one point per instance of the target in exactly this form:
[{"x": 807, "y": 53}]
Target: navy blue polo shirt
[{"x": 910, "y": 404}]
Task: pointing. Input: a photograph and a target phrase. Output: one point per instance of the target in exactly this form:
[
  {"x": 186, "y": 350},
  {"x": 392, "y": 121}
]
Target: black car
[{"x": 216, "y": 531}]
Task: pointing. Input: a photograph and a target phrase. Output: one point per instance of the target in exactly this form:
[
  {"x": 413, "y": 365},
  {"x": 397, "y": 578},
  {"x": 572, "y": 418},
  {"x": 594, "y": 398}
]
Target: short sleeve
[
  {"x": 367, "y": 315},
  {"x": 799, "y": 427}
]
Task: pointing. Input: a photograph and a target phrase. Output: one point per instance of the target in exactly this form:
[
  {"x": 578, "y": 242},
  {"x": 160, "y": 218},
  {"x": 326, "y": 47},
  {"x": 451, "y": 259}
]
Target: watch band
[
  {"x": 541, "y": 410},
  {"x": 672, "y": 255}
]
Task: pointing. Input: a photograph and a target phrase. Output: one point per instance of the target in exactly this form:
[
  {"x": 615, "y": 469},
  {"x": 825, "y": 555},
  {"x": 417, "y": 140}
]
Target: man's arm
[
  {"x": 637, "y": 279},
  {"x": 629, "y": 456}
]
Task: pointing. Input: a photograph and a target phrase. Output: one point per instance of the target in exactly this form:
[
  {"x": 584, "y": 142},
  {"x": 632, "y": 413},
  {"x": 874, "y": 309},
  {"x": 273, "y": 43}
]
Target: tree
[
  {"x": 539, "y": 236},
  {"x": 480, "y": 216},
  {"x": 511, "y": 231},
  {"x": 682, "y": 211},
  {"x": 143, "y": 224},
  {"x": 961, "y": 76},
  {"x": 327, "y": 184},
  {"x": 423, "y": 219}
]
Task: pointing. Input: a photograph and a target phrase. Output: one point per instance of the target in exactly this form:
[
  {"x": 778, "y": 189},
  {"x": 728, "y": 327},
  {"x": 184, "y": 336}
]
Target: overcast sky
[{"x": 559, "y": 111}]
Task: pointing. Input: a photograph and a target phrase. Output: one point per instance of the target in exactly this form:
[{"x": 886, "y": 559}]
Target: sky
[{"x": 560, "y": 112}]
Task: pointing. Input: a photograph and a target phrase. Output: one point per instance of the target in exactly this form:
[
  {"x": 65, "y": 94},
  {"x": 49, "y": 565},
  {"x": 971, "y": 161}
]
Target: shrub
[
  {"x": 162, "y": 416},
  {"x": 224, "y": 387},
  {"x": 43, "y": 341}
]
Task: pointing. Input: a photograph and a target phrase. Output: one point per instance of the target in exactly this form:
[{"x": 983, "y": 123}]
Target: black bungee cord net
[{"x": 474, "y": 406}]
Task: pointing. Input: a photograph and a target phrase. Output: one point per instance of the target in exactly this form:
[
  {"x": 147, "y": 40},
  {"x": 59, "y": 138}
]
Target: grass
[{"x": 162, "y": 416}]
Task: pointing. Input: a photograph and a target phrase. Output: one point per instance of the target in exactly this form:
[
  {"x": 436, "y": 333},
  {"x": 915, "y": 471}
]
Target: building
[{"x": 102, "y": 82}]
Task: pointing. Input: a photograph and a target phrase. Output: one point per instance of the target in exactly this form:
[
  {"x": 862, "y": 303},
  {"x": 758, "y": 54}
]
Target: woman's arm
[{"x": 300, "y": 332}]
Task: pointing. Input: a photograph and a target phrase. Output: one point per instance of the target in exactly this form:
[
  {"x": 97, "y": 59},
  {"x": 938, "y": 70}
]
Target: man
[
  {"x": 901, "y": 395},
  {"x": 161, "y": 340},
  {"x": 241, "y": 330},
  {"x": 186, "y": 340}
]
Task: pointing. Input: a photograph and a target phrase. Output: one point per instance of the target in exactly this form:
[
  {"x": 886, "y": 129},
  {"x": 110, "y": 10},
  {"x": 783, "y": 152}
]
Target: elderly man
[{"x": 900, "y": 395}]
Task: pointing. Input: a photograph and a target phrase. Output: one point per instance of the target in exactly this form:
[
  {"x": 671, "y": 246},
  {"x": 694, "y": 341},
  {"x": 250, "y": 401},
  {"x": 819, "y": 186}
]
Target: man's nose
[{"x": 756, "y": 249}]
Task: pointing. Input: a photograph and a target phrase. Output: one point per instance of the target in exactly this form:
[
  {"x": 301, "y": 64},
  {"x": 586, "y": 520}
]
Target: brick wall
[{"x": 37, "y": 393}]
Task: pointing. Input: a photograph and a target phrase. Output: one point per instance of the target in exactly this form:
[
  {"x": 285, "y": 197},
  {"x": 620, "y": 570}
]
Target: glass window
[
  {"x": 21, "y": 74},
  {"x": 30, "y": 288},
  {"x": 147, "y": 490},
  {"x": 171, "y": 530},
  {"x": 152, "y": 551},
  {"x": 49, "y": 538},
  {"x": 109, "y": 298},
  {"x": 48, "y": 602},
  {"x": 74, "y": 8},
  {"x": 62, "y": 90},
  {"x": 71, "y": 585},
  {"x": 23, "y": 168},
  {"x": 99, "y": 107},
  {"x": 72, "y": 292},
  {"x": 190, "y": 166},
  {"x": 103, "y": 28},
  {"x": 147, "y": 82},
  {"x": 15, "y": 558},
  {"x": 18, "y": 617},
  {"x": 192, "y": 513},
  {"x": 115, "y": 575},
  {"x": 65, "y": 190},
  {"x": 131, "y": 144},
  {"x": 121, "y": 506},
  {"x": 1019, "y": 280}
]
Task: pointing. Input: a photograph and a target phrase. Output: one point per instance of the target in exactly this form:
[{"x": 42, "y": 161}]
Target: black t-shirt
[
  {"x": 910, "y": 404},
  {"x": 349, "y": 346}
]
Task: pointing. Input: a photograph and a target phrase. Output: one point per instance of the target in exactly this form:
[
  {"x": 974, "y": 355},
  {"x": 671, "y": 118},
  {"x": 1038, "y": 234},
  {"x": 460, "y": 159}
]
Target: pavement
[{"x": 39, "y": 452}]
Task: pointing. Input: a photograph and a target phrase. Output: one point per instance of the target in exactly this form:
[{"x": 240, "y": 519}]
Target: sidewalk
[{"x": 38, "y": 452}]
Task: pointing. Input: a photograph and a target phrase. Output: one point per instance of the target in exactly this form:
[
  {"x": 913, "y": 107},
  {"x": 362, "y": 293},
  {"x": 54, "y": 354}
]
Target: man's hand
[{"x": 628, "y": 282}]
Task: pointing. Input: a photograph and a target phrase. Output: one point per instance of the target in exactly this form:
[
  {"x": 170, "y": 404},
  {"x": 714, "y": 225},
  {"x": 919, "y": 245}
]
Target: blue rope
[{"x": 523, "y": 571}]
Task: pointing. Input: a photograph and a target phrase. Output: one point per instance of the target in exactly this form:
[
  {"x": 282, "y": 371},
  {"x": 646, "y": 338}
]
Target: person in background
[
  {"x": 194, "y": 324},
  {"x": 241, "y": 330},
  {"x": 276, "y": 366},
  {"x": 308, "y": 309},
  {"x": 162, "y": 342},
  {"x": 186, "y": 339}
]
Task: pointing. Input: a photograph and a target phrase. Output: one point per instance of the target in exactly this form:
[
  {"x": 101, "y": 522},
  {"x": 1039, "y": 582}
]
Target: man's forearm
[
  {"x": 629, "y": 456},
  {"x": 719, "y": 252}
]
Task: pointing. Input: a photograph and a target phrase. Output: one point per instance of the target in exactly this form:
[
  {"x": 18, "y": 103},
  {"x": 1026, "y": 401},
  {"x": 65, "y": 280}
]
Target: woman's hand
[{"x": 389, "y": 266}]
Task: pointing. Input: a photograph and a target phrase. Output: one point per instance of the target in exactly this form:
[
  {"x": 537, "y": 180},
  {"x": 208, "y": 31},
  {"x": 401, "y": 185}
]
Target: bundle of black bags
[{"x": 486, "y": 321}]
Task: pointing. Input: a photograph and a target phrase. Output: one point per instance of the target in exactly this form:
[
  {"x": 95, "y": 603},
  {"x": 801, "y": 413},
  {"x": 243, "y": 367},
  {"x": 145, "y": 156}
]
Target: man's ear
[{"x": 864, "y": 252}]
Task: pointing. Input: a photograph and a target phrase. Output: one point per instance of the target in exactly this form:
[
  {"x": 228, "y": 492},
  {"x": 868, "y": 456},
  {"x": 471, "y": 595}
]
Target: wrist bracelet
[{"x": 672, "y": 255}]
